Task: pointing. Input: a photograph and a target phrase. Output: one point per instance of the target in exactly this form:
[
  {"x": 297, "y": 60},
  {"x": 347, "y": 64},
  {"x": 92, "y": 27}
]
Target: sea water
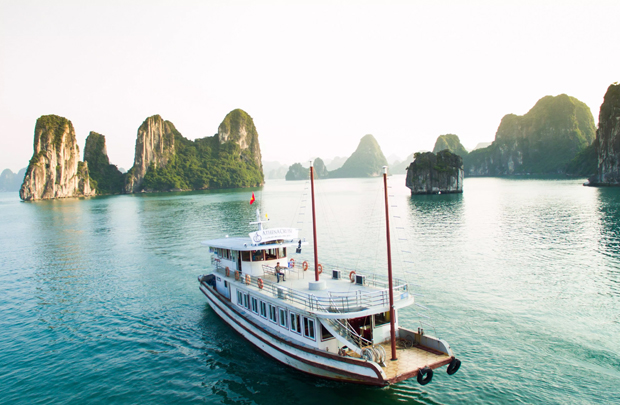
[{"x": 99, "y": 301}]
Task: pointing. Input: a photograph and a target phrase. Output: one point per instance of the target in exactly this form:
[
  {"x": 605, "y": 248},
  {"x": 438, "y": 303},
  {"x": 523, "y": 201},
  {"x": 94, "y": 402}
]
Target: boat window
[
  {"x": 254, "y": 305},
  {"x": 325, "y": 335},
  {"x": 309, "y": 328},
  {"x": 295, "y": 325},
  {"x": 263, "y": 309},
  {"x": 273, "y": 317},
  {"x": 239, "y": 298},
  {"x": 225, "y": 284},
  {"x": 382, "y": 318},
  {"x": 258, "y": 255},
  {"x": 246, "y": 301},
  {"x": 245, "y": 256},
  {"x": 282, "y": 317},
  {"x": 271, "y": 254},
  {"x": 281, "y": 252}
]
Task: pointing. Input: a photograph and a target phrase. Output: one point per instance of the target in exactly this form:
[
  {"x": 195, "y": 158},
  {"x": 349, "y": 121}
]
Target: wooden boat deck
[{"x": 409, "y": 361}]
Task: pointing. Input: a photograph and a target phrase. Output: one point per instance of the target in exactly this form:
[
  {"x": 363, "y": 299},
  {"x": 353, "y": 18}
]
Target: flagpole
[
  {"x": 389, "y": 261},
  {"x": 316, "y": 255}
]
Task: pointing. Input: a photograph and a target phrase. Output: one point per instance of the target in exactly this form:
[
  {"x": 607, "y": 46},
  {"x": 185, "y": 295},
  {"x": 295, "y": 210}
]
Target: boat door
[{"x": 238, "y": 261}]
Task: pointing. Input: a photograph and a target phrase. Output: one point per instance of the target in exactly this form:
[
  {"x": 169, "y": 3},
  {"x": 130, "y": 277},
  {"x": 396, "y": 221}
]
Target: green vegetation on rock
[
  {"x": 367, "y": 161},
  {"x": 105, "y": 178},
  {"x": 450, "y": 142},
  {"x": 543, "y": 141},
  {"x": 204, "y": 163}
]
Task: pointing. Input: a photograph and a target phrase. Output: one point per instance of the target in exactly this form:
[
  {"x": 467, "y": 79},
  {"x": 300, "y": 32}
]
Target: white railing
[{"x": 340, "y": 302}]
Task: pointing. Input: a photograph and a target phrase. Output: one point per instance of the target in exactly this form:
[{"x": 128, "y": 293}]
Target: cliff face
[
  {"x": 543, "y": 141},
  {"x": 608, "y": 140},
  {"x": 367, "y": 160},
  {"x": 107, "y": 179},
  {"x": 432, "y": 174},
  {"x": 450, "y": 142},
  {"x": 239, "y": 128},
  {"x": 55, "y": 170},
  {"x": 154, "y": 146}
]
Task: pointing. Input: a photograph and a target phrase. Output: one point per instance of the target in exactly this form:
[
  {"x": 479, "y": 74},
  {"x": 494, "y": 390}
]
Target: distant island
[
  {"x": 367, "y": 161},
  {"x": 164, "y": 160},
  {"x": 543, "y": 141},
  {"x": 10, "y": 181}
]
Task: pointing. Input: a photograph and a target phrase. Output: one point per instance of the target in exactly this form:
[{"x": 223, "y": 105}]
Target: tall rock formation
[
  {"x": 167, "y": 161},
  {"x": 107, "y": 179},
  {"x": 433, "y": 174},
  {"x": 450, "y": 142},
  {"x": 55, "y": 170},
  {"x": 239, "y": 128},
  {"x": 543, "y": 141},
  {"x": 297, "y": 172},
  {"x": 608, "y": 140},
  {"x": 367, "y": 160},
  {"x": 154, "y": 146}
]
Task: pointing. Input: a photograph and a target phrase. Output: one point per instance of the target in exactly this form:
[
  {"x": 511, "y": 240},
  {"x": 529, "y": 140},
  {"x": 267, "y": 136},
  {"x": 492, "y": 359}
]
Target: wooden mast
[
  {"x": 316, "y": 255},
  {"x": 389, "y": 262}
]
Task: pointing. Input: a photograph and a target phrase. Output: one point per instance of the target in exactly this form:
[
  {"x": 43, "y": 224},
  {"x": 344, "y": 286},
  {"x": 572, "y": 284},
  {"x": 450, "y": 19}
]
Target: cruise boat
[{"x": 329, "y": 322}]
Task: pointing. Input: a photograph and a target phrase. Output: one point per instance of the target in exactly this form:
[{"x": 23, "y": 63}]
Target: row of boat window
[
  {"x": 292, "y": 321},
  {"x": 250, "y": 256}
]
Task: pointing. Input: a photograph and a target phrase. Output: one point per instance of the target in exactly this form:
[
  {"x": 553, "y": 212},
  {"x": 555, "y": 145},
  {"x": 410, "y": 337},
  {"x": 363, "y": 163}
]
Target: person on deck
[{"x": 279, "y": 272}]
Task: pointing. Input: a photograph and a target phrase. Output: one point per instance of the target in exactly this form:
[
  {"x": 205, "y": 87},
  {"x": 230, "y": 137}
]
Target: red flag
[{"x": 252, "y": 199}]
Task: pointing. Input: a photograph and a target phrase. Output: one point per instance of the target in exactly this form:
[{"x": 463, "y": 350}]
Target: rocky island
[
  {"x": 367, "y": 161},
  {"x": 439, "y": 173},
  {"x": 607, "y": 142},
  {"x": 55, "y": 170},
  {"x": 543, "y": 141}
]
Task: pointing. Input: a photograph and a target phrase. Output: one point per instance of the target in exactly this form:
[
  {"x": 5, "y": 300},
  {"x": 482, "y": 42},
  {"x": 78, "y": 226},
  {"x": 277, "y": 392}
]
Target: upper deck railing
[{"x": 346, "y": 301}]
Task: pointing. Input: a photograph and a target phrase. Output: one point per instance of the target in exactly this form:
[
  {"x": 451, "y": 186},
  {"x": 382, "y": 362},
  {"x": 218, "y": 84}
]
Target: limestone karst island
[
  {"x": 556, "y": 137},
  {"x": 164, "y": 160}
]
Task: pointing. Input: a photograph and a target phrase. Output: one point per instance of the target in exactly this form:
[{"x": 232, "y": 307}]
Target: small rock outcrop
[
  {"x": 297, "y": 172},
  {"x": 106, "y": 178},
  {"x": 154, "y": 146},
  {"x": 437, "y": 173},
  {"x": 367, "y": 161},
  {"x": 450, "y": 142},
  {"x": 55, "y": 170},
  {"x": 608, "y": 140},
  {"x": 543, "y": 141}
]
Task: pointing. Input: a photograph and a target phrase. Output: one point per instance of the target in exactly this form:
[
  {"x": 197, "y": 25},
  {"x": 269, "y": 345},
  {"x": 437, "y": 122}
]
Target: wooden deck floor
[{"x": 410, "y": 360}]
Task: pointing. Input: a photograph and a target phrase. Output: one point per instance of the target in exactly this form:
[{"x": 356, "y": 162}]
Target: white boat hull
[{"x": 302, "y": 358}]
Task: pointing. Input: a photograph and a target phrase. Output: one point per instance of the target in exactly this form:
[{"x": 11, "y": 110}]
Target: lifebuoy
[
  {"x": 352, "y": 276},
  {"x": 260, "y": 283},
  {"x": 425, "y": 375},
  {"x": 305, "y": 265},
  {"x": 454, "y": 366},
  {"x": 227, "y": 272},
  {"x": 248, "y": 279},
  {"x": 320, "y": 267},
  {"x": 237, "y": 275}
]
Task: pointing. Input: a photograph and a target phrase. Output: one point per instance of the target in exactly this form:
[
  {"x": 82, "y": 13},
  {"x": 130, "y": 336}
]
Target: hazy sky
[{"x": 315, "y": 76}]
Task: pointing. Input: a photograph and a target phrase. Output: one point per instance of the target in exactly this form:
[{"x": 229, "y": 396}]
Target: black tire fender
[
  {"x": 454, "y": 366},
  {"x": 425, "y": 375}
]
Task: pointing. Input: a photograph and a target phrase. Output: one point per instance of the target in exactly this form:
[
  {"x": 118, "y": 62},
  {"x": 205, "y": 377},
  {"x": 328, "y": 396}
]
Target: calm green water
[{"x": 99, "y": 301}]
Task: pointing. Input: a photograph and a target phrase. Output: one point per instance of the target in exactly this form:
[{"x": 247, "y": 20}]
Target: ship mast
[
  {"x": 316, "y": 255},
  {"x": 389, "y": 263}
]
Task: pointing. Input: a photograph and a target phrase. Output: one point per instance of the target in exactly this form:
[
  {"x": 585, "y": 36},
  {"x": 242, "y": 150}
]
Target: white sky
[{"x": 315, "y": 76}]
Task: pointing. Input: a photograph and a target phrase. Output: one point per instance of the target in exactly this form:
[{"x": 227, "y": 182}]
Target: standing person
[{"x": 279, "y": 272}]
